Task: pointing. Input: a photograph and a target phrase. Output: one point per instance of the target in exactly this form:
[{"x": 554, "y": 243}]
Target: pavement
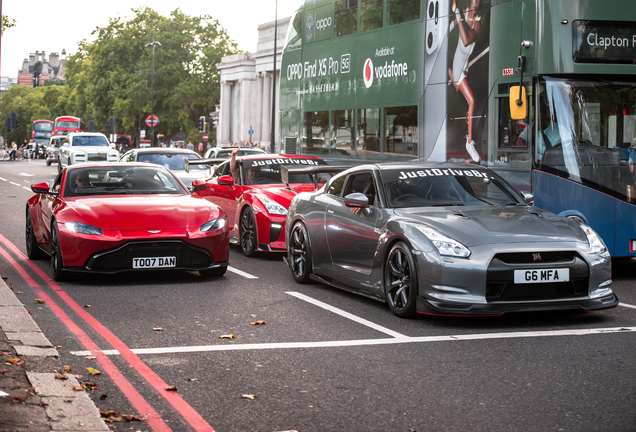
[{"x": 31, "y": 397}]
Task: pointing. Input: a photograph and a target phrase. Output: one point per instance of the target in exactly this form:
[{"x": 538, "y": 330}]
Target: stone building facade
[
  {"x": 246, "y": 89},
  {"x": 51, "y": 68}
]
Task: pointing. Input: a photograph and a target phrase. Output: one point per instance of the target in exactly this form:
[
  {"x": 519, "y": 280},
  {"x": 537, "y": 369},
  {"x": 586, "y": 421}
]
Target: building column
[
  {"x": 234, "y": 135},
  {"x": 258, "y": 114},
  {"x": 226, "y": 112},
  {"x": 265, "y": 115}
]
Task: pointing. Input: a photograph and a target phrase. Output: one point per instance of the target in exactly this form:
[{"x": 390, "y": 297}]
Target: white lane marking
[
  {"x": 627, "y": 305},
  {"x": 363, "y": 342},
  {"x": 15, "y": 183},
  {"x": 26, "y": 174},
  {"x": 346, "y": 314},
  {"x": 3, "y": 179},
  {"x": 241, "y": 273},
  {"x": 26, "y": 188}
]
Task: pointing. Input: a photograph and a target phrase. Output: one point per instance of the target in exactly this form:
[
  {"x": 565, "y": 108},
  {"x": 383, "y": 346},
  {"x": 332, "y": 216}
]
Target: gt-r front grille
[
  {"x": 536, "y": 257},
  {"x": 121, "y": 258},
  {"x": 514, "y": 291},
  {"x": 96, "y": 157}
]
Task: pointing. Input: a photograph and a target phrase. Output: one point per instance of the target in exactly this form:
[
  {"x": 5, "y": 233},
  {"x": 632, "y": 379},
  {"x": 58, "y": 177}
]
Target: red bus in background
[
  {"x": 66, "y": 124},
  {"x": 42, "y": 131}
]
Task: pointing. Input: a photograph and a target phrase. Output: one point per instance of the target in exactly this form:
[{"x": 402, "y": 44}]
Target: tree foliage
[{"x": 7, "y": 23}]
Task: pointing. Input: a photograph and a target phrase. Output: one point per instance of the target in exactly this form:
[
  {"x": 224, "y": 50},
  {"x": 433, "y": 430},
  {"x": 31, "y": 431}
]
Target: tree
[
  {"x": 103, "y": 81},
  {"x": 7, "y": 23}
]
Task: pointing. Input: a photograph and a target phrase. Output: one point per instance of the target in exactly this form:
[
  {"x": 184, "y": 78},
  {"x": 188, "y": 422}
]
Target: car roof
[
  {"x": 114, "y": 164},
  {"x": 275, "y": 156},
  {"x": 85, "y": 134},
  {"x": 163, "y": 150}
]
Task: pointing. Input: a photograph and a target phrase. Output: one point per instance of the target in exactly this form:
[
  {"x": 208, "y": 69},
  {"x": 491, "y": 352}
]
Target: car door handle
[{"x": 330, "y": 211}]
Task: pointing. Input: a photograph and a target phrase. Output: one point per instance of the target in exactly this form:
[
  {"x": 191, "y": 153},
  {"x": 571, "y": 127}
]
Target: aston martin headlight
[
  {"x": 445, "y": 245},
  {"x": 83, "y": 228},
  {"x": 594, "y": 240},
  {"x": 213, "y": 225},
  {"x": 272, "y": 206}
]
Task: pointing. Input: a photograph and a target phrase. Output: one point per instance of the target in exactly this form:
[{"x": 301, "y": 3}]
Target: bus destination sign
[{"x": 604, "y": 42}]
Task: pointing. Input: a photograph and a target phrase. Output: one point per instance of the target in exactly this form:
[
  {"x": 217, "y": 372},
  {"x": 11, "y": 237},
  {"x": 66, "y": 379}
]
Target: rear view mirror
[
  {"x": 357, "y": 200},
  {"x": 528, "y": 196},
  {"x": 199, "y": 185},
  {"x": 518, "y": 103},
  {"x": 40, "y": 187},
  {"x": 226, "y": 180}
]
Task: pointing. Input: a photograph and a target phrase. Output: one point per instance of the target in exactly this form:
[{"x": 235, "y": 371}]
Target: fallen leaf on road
[
  {"x": 57, "y": 346},
  {"x": 93, "y": 371},
  {"x": 39, "y": 300},
  {"x": 15, "y": 361},
  {"x": 78, "y": 376},
  {"x": 68, "y": 368},
  {"x": 68, "y": 400},
  {"x": 4, "y": 371},
  {"x": 230, "y": 336},
  {"x": 30, "y": 313},
  {"x": 87, "y": 306},
  {"x": 157, "y": 328},
  {"x": 103, "y": 396},
  {"x": 5, "y": 278},
  {"x": 61, "y": 376},
  {"x": 5, "y": 353},
  {"x": 18, "y": 399},
  {"x": 129, "y": 417},
  {"x": 89, "y": 386},
  {"x": 19, "y": 292},
  {"x": 249, "y": 396},
  {"x": 90, "y": 357},
  {"x": 193, "y": 379},
  {"x": 78, "y": 388},
  {"x": 259, "y": 323},
  {"x": 171, "y": 388}
]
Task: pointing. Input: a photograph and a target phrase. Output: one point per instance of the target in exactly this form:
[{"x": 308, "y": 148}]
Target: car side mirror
[
  {"x": 226, "y": 180},
  {"x": 357, "y": 200},
  {"x": 41, "y": 188},
  {"x": 528, "y": 196},
  {"x": 199, "y": 185}
]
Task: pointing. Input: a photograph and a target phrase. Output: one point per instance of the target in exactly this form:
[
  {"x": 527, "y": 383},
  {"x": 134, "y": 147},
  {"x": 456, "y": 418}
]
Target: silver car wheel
[
  {"x": 400, "y": 280},
  {"x": 298, "y": 253}
]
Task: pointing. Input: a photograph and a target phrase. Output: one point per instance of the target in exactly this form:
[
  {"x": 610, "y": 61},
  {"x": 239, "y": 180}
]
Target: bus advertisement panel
[
  {"x": 365, "y": 81},
  {"x": 66, "y": 124},
  {"x": 41, "y": 131}
]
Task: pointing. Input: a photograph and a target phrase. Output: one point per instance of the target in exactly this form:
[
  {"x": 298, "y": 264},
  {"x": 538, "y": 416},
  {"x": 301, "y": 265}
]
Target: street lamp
[
  {"x": 272, "y": 145},
  {"x": 141, "y": 81},
  {"x": 152, "y": 44}
]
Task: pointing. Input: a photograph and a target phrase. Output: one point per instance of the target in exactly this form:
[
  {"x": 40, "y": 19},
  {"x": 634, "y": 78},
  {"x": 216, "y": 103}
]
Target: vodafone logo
[{"x": 367, "y": 73}]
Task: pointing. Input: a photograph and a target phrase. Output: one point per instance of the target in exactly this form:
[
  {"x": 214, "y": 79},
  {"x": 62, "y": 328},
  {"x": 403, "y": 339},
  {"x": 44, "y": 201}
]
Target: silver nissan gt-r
[{"x": 444, "y": 239}]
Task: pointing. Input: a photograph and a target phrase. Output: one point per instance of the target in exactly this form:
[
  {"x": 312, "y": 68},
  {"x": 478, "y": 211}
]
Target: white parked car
[{"x": 81, "y": 147}]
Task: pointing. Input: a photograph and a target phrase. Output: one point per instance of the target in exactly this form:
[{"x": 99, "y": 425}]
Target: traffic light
[
  {"x": 91, "y": 125},
  {"x": 111, "y": 125},
  {"x": 202, "y": 124},
  {"x": 7, "y": 124},
  {"x": 14, "y": 120}
]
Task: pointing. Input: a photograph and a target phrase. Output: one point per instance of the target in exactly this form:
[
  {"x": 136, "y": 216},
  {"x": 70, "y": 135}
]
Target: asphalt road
[{"x": 325, "y": 360}]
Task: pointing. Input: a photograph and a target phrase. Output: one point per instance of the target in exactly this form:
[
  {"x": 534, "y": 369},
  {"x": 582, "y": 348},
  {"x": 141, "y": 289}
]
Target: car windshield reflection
[
  {"x": 172, "y": 161},
  {"x": 267, "y": 171},
  {"x": 120, "y": 181}
]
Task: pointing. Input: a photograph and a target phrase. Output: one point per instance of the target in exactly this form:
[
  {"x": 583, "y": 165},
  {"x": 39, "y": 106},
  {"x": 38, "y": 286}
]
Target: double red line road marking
[{"x": 136, "y": 399}]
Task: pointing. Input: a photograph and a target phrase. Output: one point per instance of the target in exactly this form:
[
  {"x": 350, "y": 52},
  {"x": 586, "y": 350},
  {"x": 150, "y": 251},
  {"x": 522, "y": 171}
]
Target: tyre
[
  {"x": 59, "y": 274},
  {"x": 247, "y": 233},
  {"x": 48, "y": 162},
  {"x": 6, "y": 156},
  {"x": 400, "y": 281},
  {"x": 299, "y": 254},
  {"x": 220, "y": 271},
  {"x": 33, "y": 251}
]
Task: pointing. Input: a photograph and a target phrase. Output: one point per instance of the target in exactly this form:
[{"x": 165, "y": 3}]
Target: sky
[{"x": 43, "y": 25}]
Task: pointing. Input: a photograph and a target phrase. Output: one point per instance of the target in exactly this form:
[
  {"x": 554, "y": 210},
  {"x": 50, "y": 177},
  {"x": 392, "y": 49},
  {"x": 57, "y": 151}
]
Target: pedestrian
[
  {"x": 213, "y": 143},
  {"x": 201, "y": 148},
  {"x": 37, "y": 150},
  {"x": 208, "y": 146},
  {"x": 190, "y": 146},
  {"x": 14, "y": 149}
]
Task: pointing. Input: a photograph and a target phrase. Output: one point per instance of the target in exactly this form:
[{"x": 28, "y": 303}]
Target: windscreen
[
  {"x": 173, "y": 161},
  {"x": 67, "y": 124},
  {"x": 90, "y": 140},
  {"x": 43, "y": 127},
  {"x": 121, "y": 180},
  {"x": 267, "y": 171},
  {"x": 421, "y": 187}
]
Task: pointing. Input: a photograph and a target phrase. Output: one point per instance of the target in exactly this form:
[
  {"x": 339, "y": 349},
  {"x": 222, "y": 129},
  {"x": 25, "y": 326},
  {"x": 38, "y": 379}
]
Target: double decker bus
[
  {"x": 66, "y": 124},
  {"x": 41, "y": 131},
  {"x": 382, "y": 80}
]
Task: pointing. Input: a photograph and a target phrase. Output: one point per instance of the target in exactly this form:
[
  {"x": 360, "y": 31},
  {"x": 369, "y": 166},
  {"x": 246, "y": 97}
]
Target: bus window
[
  {"x": 346, "y": 17},
  {"x": 316, "y": 132},
  {"x": 371, "y": 14},
  {"x": 369, "y": 132},
  {"x": 343, "y": 133},
  {"x": 400, "y": 11},
  {"x": 401, "y": 131},
  {"x": 294, "y": 38}
]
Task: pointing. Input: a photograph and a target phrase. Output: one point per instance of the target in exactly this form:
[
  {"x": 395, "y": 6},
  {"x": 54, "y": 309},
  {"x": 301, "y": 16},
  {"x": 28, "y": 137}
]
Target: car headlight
[
  {"x": 213, "y": 225},
  {"x": 445, "y": 245},
  {"x": 272, "y": 206},
  {"x": 83, "y": 228},
  {"x": 597, "y": 246}
]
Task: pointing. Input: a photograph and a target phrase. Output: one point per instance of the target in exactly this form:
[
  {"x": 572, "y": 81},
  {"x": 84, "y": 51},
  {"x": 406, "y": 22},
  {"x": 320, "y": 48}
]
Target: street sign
[
  {"x": 251, "y": 131},
  {"x": 152, "y": 121},
  {"x": 205, "y": 137},
  {"x": 142, "y": 134}
]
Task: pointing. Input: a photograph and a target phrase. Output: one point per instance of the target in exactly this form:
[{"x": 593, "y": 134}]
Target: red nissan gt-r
[
  {"x": 109, "y": 218},
  {"x": 256, "y": 205}
]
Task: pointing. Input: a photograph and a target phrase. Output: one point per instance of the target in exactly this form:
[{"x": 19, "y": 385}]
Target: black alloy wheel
[
  {"x": 33, "y": 251},
  {"x": 298, "y": 253},
  {"x": 59, "y": 274},
  {"x": 247, "y": 233},
  {"x": 400, "y": 281}
]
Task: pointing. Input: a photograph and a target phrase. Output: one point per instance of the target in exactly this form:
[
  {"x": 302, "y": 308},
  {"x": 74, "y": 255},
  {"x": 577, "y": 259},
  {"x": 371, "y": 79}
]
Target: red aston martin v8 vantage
[
  {"x": 256, "y": 205},
  {"x": 109, "y": 218}
]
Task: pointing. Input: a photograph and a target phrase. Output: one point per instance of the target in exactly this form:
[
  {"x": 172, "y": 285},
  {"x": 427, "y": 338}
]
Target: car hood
[
  {"x": 474, "y": 226},
  {"x": 281, "y": 193},
  {"x": 129, "y": 212}
]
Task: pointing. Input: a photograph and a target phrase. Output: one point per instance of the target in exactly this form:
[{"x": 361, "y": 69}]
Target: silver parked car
[
  {"x": 444, "y": 239},
  {"x": 52, "y": 151}
]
